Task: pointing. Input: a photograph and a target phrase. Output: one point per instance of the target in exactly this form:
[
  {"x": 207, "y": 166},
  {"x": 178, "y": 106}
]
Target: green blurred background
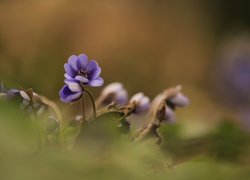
[{"x": 147, "y": 45}]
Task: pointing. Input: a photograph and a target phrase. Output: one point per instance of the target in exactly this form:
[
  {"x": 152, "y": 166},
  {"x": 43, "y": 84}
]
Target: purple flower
[
  {"x": 12, "y": 93},
  {"x": 113, "y": 92},
  {"x": 79, "y": 73},
  {"x": 166, "y": 102},
  {"x": 142, "y": 103},
  {"x": 18, "y": 96},
  {"x": 178, "y": 100},
  {"x": 169, "y": 115}
]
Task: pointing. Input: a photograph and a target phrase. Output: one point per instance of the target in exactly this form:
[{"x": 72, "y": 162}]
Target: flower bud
[
  {"x": 170, "y": 116},
  {"x": 165, "y": 114},
  {"x": 164, "y": 104},
  {"x": 113, "y": 92},
  {"x": 179, "y": 100},
  {"x": 13, "y": 93},
  {"x": 141, "y": 101},
  {"x": 24, "y": 95}
]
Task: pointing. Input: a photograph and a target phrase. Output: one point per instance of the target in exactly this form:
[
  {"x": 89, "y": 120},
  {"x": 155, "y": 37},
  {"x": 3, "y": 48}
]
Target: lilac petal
[
  {"x": 115, "y": 88},
  {"x": 74, "y": 86},
  {"x": 66, "y": 95},
  {"x": 97, "y": 82},
  {"x": 25, "y": 95},
  {"x": 170, "y": 116},
  {"x": 74, "y": 97},
  {"x": 69, "y": 70},
  {"x": 64, "y": 92},
  {"x": 82, "y": 62},
  {"x": 95, "y": 73},
  {"x": 13, "y": 92},
  {"x": 70, "y": 80},
  {"x": 142, "y": 102},
  {"x": 114, "y": 92},
  {"x": 137, "y": 97},
  {"x": 122, "y": 97},
  {"x": 143, "y": 105},
  {"x": 180, "y": 100},
  {"x": 67, "y": 76},
  {"x": 91, "y": 66},
  {"x": 82, "y": 79},
  {"x": 72, "y": 62}
]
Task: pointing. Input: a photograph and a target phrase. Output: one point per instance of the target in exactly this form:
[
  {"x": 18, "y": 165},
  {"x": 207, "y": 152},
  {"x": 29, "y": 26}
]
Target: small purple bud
[
  {"x": 170, "y": 116},
  {"x": 142, "y": 102},
  {"x": 179, "y": 100},
  {"x": 114, "y": 92},
  {"x": 13, "y": 93}
]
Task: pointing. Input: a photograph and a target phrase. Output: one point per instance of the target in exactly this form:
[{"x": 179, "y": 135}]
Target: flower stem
[
  {"x": 92, "y": 101},
  {"x": 83, "y": 111}
]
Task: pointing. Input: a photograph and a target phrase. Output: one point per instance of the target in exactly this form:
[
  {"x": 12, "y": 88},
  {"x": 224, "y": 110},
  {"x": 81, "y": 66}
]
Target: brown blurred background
[{"x": 147, "y": 45}]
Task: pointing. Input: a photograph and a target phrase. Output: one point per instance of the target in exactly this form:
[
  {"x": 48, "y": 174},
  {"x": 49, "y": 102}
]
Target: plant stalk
[
  {"x": 92, "y": 101},
  {"x": 83, "y": 110}
]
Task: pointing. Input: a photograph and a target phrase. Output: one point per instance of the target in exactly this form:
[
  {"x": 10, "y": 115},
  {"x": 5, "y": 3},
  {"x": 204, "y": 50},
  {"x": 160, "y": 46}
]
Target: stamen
[{"x": 83, "y": 73}]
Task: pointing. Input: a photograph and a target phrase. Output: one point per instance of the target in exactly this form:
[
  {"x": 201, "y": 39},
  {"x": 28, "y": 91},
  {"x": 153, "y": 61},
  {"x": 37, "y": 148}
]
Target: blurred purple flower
[
  {"x": 114, "y": 92},
  {"x": 13, "y": 93},
  {"x": 232, "y": 76},
  {"x": 166, "y": 103},
  {"x": 79, "y": 73},
  {"x": 142, "y": 103},
  {"x": 178, "y": 100},
  {"x": 19, "y": 96},
  {"x": 233, "y": 72},
  {"x": 169, "y": 116}
]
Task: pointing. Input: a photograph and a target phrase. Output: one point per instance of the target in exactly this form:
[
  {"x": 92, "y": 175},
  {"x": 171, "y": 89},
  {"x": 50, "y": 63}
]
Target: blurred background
[{"x": 147, "y": 45}]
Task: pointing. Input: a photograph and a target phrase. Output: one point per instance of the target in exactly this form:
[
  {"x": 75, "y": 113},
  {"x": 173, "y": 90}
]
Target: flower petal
[
  {"x": 95, "y": 72},
  {"x": 97, "y": 82},
  {"x": 72, "y": 62},
  {"x": 91, "y": 66},
  {"x": 180, "y": 100},
  {"x": 82, "y": 79},
  {"x": 137, "y": 97},
  {"x": 25, "y": 95},
  {"x": 64, "y": 92},
  {"x": 112, "y": 88},
  {"x": 143, "y": 105},
  {"x": 67, "y": 76},
  {"x": 69, "y": 70},
  {"x": 122, "y": 97},
  {"x": 66, "y": 95},
  {"x": 170, "y": 116},
  {"x": 82, "y": 62},
  {"x": 74, "y": 86},
  {"x": 13, "y": 92},
  {"x": 142, "y": 102},
  {"x": 74, "y": 97}
]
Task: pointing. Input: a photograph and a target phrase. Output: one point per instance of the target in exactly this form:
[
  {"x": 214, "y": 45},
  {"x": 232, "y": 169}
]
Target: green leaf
[{"x": 106, "y": 128}]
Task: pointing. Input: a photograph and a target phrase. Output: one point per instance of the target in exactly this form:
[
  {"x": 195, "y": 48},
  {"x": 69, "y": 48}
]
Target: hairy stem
[
  {"x": 92, "y": 101},
  {"x": 83, "y": 110}
]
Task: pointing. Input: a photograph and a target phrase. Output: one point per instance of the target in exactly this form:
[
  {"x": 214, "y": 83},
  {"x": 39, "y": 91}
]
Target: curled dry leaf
[{"x": 162, "y": 110}]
